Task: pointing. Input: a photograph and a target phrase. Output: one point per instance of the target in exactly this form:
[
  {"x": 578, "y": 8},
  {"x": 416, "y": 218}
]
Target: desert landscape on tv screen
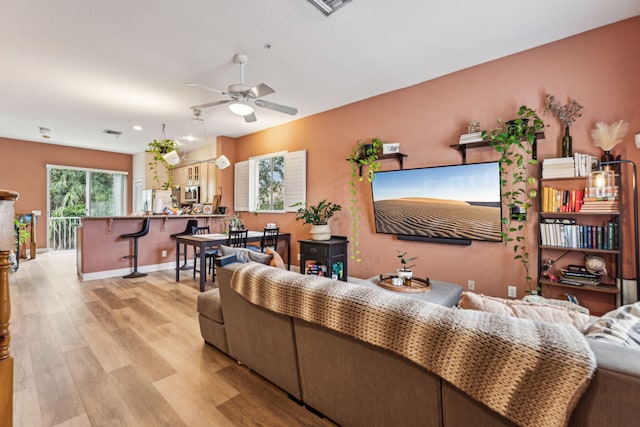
[{"x": 455, "y": 202}]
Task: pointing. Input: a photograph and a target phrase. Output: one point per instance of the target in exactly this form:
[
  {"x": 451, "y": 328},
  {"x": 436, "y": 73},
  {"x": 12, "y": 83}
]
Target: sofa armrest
[{"x": 225, "y": 260}]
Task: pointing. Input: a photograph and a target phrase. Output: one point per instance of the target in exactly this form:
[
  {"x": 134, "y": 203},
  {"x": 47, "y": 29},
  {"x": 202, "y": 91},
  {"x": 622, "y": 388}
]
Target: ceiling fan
[{"x": 242, "y": 97}]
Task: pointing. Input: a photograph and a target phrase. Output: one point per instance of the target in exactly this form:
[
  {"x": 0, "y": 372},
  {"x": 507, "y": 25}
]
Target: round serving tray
[{"x": 417, "y": 284}]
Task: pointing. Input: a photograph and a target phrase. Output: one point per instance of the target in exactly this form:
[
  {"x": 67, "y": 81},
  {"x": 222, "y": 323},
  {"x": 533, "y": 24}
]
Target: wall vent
[
  {"x": 328, "y": 6},
  {"x": 112, "y": 132}
]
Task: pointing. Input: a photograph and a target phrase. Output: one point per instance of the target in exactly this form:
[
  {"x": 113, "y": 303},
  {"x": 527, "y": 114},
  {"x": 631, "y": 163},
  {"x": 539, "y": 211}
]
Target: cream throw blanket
[{"x": 532, "y": 373}]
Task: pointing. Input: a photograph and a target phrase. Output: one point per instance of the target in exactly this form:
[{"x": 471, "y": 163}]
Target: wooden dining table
[{"x": 204, "y": 241}]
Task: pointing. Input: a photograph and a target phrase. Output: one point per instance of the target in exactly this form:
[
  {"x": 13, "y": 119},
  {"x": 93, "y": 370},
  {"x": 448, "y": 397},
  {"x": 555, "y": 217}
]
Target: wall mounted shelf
[
  {"x": 398, "y": 156},
  {"x": 462, "y": 148}
]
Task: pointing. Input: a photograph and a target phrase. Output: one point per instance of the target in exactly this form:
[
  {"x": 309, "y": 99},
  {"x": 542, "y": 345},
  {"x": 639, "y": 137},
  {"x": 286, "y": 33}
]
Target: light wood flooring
[{"x": 127, "y": 352}]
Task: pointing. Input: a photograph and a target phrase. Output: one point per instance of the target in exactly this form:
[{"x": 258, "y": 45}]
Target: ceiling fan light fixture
[{"x": 241, "y": 108}]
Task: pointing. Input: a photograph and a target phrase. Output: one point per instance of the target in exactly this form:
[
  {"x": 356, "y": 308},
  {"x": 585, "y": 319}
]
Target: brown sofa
[{"x": 358, "y": 384}]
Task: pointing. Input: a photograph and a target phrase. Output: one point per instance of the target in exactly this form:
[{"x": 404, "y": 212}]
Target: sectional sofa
[{"x": 363, "y": 367}]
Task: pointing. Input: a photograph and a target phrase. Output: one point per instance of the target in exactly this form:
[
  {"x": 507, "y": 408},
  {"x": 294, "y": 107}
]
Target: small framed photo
[
  {"x": 391, "y": 148},
  {"x": 207, "y": 209},
  {"x": 196, "y": 208}
]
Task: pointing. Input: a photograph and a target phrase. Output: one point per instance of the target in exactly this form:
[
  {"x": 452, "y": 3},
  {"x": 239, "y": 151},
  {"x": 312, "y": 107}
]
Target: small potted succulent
[
  {"x": 318, "y": 216},
  {"x": 405, "y": 273}
]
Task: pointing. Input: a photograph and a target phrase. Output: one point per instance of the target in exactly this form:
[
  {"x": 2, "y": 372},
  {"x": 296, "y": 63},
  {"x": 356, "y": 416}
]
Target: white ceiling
[{"x": 81, "y": 66}]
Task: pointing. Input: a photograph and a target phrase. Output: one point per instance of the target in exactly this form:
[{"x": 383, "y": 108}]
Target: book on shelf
[
  {"x": 565, "y": 233},
  {"x": 466, "y": 138},
  {"x": 559, "y": 200},
  {"x": 569, "y": 167}
]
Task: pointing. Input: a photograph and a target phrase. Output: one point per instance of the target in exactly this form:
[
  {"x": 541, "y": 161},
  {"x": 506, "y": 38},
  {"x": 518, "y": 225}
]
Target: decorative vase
[
  {"x": 320, "y": 232},
  {"x": 607, "y": 157},
  {"x": 567, "y": 142},
  {"x": 405, "y": 275}
]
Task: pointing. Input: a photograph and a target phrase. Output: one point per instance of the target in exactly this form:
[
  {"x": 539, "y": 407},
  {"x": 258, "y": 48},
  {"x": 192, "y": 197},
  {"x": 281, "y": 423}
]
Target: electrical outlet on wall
[
  {"x": 512, "y": 291},
  {"x": 164, "y": 253},
  {"x": 471, "y": 285}
]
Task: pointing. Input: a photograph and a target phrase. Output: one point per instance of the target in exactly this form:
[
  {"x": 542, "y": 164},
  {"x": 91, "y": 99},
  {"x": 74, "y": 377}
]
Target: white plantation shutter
[
  {"x": 295, "y": 179},
  {"x": 241, "y": 186}
]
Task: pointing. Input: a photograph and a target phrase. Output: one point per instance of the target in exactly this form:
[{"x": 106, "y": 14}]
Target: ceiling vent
[
  {"x": 117, "y": 133},
  {"x": 328, "y": 6}
]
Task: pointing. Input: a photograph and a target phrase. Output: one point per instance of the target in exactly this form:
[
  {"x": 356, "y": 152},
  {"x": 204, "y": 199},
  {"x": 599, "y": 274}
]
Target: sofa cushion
[
  {"x": 558, "y": 302},
  {"x": 209, "y": 305},
  {"x": 245, "y": 255},
  {"x": 620, "y": 326},
  {"x": 523, "y": 309}
]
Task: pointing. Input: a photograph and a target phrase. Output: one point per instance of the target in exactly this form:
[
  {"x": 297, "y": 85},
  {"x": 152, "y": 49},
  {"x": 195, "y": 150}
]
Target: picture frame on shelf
[{"x": 207, "y": 209}]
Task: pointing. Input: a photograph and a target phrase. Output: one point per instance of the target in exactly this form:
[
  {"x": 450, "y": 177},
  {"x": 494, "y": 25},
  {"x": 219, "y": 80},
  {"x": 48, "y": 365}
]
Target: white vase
[
  {"x": 320, "y": 232},
  {"x": 405, "y": 275}
]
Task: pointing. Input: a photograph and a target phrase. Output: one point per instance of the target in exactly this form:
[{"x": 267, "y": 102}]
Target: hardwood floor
[{"x": 127, "y": 352}]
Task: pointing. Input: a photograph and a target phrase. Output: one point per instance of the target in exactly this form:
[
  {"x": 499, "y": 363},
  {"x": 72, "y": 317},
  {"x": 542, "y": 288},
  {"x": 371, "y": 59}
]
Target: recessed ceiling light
[{"x": 136, "y": 127}]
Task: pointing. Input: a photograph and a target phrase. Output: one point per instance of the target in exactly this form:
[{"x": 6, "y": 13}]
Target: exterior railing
[{"x": 62, "y": 233}]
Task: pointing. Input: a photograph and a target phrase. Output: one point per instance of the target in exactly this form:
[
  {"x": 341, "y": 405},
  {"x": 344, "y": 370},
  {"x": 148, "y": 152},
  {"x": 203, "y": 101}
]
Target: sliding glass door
[{"x": 78, "y": 192}]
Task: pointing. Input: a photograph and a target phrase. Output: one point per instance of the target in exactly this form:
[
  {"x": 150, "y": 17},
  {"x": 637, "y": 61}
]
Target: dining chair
[
  {"x": 269, "y": 240},
  {"x": 209, "y": 253},
  {"x": 237, "y": 238}
]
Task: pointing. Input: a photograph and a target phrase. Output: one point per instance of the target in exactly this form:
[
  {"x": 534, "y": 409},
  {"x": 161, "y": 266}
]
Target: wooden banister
[{"x": 7, "y": 242}]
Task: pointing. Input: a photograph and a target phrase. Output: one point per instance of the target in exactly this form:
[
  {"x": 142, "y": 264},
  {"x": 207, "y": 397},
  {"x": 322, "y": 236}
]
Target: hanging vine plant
[
  {"x": 514, "y": 141},
  {"x": 160, "y": 147},
  {"x": 364, "y": 163}
]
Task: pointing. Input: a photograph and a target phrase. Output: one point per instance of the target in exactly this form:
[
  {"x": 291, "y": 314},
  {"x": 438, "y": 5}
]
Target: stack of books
[
  {"x": 578, "y": 275},
  {"x": 466, "y": 138},
  {"x": 609, "y": 204},
  {"x": 312, "y": 267},
  {"x": 562, "y": 167}
]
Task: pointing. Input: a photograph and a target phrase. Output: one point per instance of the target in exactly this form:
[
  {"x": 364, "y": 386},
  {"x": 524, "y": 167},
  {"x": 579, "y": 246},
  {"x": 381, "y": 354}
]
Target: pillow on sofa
[
  {"x": 559, "y": 302},
  {"x": 276, "y": 260},
  {"x": 245, "y": 255},
  {"x": 522, "y": 309},
  {"x": 620, "y": 326}
]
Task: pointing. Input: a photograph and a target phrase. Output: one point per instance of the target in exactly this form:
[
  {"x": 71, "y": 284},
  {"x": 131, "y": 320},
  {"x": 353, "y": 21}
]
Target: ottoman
[
  {"x": 442, "y": 293},
  {"x": 211, "y": 319}
]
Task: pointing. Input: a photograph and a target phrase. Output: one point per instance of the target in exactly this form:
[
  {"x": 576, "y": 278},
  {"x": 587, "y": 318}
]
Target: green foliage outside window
[{"x": 270, "y": 195}]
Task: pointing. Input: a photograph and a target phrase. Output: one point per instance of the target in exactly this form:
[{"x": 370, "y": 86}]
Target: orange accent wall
[
  {"x": 598, "y": 68},
  {"x": 23, "y": 168}
]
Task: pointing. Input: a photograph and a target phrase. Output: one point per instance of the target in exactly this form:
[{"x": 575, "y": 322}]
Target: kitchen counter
[{"x": 100, "y": 249}]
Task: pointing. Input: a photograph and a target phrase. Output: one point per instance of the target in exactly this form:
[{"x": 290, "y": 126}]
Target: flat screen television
[{"x": 443, "y": 204}]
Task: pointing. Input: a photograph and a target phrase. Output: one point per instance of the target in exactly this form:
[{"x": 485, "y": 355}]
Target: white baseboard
[{"x": 124, "y": 271}]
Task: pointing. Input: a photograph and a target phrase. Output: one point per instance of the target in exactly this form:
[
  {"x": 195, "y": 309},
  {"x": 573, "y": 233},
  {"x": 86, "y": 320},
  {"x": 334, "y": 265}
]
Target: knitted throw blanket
[{"x": 530, "y": 372}]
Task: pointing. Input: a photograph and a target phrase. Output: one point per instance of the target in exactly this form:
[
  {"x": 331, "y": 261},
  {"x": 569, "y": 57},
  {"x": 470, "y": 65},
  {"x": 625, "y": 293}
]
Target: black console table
[{"x": 324, "y": 257}]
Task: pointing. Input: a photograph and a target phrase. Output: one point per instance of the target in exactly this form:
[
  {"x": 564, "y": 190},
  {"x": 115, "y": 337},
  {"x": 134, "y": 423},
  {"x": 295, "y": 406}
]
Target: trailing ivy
[
  {"x": 514, "y": 141},
  {"x": 364, "y": 162}
]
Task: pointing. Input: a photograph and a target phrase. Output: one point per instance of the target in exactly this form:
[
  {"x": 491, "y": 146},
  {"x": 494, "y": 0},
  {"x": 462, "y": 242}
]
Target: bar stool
[
  {"x": 187, "y": 232},
  {"x": 135, "y": 236}
]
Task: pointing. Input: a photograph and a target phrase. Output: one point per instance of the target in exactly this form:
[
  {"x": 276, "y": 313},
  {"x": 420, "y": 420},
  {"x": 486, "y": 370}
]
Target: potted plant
[
  {"x": 363, "y": 156},
  {"x": 318, "y": 216},
  {"x": 405, "y": 273},
  {"x": 159, "y": 148},
  {"x": 514, "y": 142},
  {"x": 236, "y": 223}
]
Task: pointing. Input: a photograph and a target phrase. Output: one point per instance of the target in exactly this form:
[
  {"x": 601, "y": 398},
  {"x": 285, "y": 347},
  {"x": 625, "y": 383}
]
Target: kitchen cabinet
[{"x": 200, "y": 174}]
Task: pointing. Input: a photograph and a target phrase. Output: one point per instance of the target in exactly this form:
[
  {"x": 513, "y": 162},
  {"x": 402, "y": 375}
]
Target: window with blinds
[{"x": 271, "y": 183}]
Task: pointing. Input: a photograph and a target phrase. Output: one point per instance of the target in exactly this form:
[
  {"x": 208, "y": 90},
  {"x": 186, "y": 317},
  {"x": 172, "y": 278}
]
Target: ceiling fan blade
[
  {"x": 250, "y": 118},
  {"x": 258, "y": 91},
  {"x": 211, "y": 104},
  {"x": 276, "y": 107},
  {"x": 210, "y": 89}
]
